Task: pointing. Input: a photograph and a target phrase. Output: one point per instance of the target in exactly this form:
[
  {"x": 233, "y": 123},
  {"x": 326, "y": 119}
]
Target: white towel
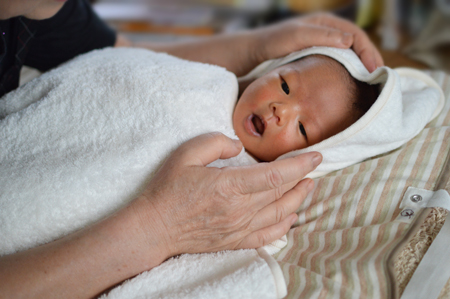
[
  {"x": 229, "y": 274},
  {"x": 408, "y": 101},
  {"x": 83, "y": 140}
]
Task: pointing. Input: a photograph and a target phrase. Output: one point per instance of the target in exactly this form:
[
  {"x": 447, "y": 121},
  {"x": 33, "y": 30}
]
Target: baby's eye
[
  {"x": 285, "y": 87},
  {"x": 302, "y": 129}
]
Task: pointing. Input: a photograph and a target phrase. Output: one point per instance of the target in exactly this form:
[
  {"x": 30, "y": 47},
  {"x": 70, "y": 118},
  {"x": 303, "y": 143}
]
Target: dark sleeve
[{"x": 74, "y": 30}]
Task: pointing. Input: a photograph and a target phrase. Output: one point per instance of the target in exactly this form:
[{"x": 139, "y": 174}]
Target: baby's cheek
[
  {"x": 282, "y": 139},
  {"x": 286, "y": 141}
]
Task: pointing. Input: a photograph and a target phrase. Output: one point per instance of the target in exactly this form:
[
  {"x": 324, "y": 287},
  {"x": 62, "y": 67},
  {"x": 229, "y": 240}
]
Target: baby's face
[{"x": 293, "y": 107}]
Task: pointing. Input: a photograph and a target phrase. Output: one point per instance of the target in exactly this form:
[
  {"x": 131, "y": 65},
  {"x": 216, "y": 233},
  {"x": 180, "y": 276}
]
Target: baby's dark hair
[{"x": 364, "y": 95}]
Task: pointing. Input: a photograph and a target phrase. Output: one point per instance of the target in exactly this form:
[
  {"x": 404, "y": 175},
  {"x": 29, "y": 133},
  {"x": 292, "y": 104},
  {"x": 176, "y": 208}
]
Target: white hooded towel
[{"x": 409, "y": 99}]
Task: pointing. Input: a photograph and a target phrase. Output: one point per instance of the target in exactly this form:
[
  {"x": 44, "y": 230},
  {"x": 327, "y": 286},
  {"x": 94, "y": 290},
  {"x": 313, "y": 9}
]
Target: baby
[
  {"x": 82, "y": 140},
  {"x": 299, "y": 104}
]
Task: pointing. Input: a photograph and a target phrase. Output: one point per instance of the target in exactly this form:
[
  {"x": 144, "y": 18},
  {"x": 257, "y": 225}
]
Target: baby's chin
[
  {"x": 254, "y": 157},
  {"x": 261, "y": 157},
  {"x": 255, "y": 150}
]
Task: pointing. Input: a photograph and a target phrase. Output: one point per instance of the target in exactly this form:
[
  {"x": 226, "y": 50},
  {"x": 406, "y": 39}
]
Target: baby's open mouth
[{"x": 258, "y": 124}]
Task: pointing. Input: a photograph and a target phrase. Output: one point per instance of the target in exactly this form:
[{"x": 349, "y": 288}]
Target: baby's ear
[{"x": 243, "y": 84}]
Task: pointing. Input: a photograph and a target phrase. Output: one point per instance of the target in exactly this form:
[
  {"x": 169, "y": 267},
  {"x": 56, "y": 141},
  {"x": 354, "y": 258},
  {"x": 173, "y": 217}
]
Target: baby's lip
[{"x": 255, "y": 125}]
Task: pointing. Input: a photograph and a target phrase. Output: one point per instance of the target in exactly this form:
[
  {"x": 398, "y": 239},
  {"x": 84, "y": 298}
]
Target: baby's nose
[{"x": 282, "y": 112}]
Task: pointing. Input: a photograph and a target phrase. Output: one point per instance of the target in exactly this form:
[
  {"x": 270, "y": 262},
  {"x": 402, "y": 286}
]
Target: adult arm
[
  {"x": 242, "y": 51},
  {"x": 186, "y": 208}
]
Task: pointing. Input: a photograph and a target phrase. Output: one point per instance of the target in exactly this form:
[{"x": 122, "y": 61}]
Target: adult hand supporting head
[
  {"x": 320, "y": 29},
  {"x": 240, "y": 52},
  {"x": 192, "y": 208}
]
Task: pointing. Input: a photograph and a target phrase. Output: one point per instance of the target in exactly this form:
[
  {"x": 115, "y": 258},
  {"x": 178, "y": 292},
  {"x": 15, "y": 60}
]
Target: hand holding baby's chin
[{"x": 194, "y": 208}]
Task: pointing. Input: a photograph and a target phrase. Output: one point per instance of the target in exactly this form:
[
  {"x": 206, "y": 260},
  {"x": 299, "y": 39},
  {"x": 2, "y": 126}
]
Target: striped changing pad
[{"x": 350, "y": 224}]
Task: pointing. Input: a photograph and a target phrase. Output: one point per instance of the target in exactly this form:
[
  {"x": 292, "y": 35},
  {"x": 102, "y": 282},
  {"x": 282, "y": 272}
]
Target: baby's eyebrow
[{"x": 296, "y": 70}]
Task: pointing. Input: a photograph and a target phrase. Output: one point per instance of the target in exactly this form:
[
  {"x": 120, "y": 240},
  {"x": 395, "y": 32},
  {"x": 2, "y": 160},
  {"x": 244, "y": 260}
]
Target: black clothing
[{"x": 44, "y": 44}]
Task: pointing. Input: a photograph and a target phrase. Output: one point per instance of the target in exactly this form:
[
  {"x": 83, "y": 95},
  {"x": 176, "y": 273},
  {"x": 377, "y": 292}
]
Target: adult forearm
[
  {"x": 242, "y": 51},
  {"x": 234, "y": 52},
  {"x": 83, "y": 264}
]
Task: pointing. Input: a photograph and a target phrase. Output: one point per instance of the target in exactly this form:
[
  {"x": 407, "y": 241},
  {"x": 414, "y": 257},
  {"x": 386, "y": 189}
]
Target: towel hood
[{"x": 408, "y": 100}]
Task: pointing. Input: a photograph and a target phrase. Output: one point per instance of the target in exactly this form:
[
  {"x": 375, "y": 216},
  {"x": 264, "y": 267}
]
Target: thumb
[
  {"x": 207, "y": 148},
  {"x": 325, "y": 36}
]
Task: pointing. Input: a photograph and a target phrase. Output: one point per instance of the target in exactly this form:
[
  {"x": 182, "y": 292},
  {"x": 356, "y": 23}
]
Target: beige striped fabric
[{"x": 350, "y": 223}]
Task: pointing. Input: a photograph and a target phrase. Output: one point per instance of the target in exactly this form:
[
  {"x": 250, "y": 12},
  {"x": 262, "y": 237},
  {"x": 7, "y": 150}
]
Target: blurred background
[{"x": 412, "y": 33}]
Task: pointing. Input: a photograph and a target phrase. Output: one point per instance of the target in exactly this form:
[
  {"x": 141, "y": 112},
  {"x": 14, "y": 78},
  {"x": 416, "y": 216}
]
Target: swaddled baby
[
  {"x": 336, "y": 107},
  {"x": 298, "y": 105},
  {"x": 82, "y": 140}
]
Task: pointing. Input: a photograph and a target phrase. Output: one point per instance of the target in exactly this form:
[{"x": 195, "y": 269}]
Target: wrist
[
  {"x": 258, "y": 45},
  {"x": 96, "y": 258},
  {"x": 152, "y": 232},
  {"x": 247, "y": 53}
]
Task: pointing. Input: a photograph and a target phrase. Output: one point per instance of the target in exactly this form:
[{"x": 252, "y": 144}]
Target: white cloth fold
[
  {"x": 82, "y": 140},
  {"x": 228, "y": 274},
  {"x": 409, "y": 99}
]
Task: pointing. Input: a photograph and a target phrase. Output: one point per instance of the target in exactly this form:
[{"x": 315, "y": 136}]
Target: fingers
[
  {"x": 367, "y": 57},
  {"x": 276, "y": 219},
  {"x": 207, "y": 148},
  {"x": 269, "y": 234},
  {"x": 362, "y": 45},
  {"x": 326, "y": 36},
  {"x": 269, "y": 176},
  {"x": 281, "y": 208},
  {"x": 378, "y": 58},
  {"x": 366, "y": 50}
]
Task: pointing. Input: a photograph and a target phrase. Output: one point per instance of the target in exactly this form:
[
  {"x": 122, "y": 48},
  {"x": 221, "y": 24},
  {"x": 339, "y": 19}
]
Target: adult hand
[
  {"x": 242, "y": 51},
  {"x": 203, "y": 209},
  {"x": 186, "y": 208},
  {"x": 320, "y": 29}
]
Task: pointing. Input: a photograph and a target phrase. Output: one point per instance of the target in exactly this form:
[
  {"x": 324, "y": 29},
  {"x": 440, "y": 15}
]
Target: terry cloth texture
[
  {"x": 408, "y": 101},
  {"x": 226, "y": 274},
  {"x": 83, "y": 140}
]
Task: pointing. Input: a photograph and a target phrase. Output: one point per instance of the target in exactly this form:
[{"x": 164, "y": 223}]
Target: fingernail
[
  {"x": 316, "y": 160},
  {"x": 294, "y": 219},
  {"x": 373, "y": 66},
  {"x": 237, "y": 143},
  {"x": 346, "y": 39}
]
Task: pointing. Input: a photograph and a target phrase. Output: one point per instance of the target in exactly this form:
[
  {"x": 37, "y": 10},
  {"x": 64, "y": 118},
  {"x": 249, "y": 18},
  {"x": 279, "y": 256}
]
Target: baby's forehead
[
  {"x": 322, "y": 68},
  {"x": 318, "y": 60}
]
